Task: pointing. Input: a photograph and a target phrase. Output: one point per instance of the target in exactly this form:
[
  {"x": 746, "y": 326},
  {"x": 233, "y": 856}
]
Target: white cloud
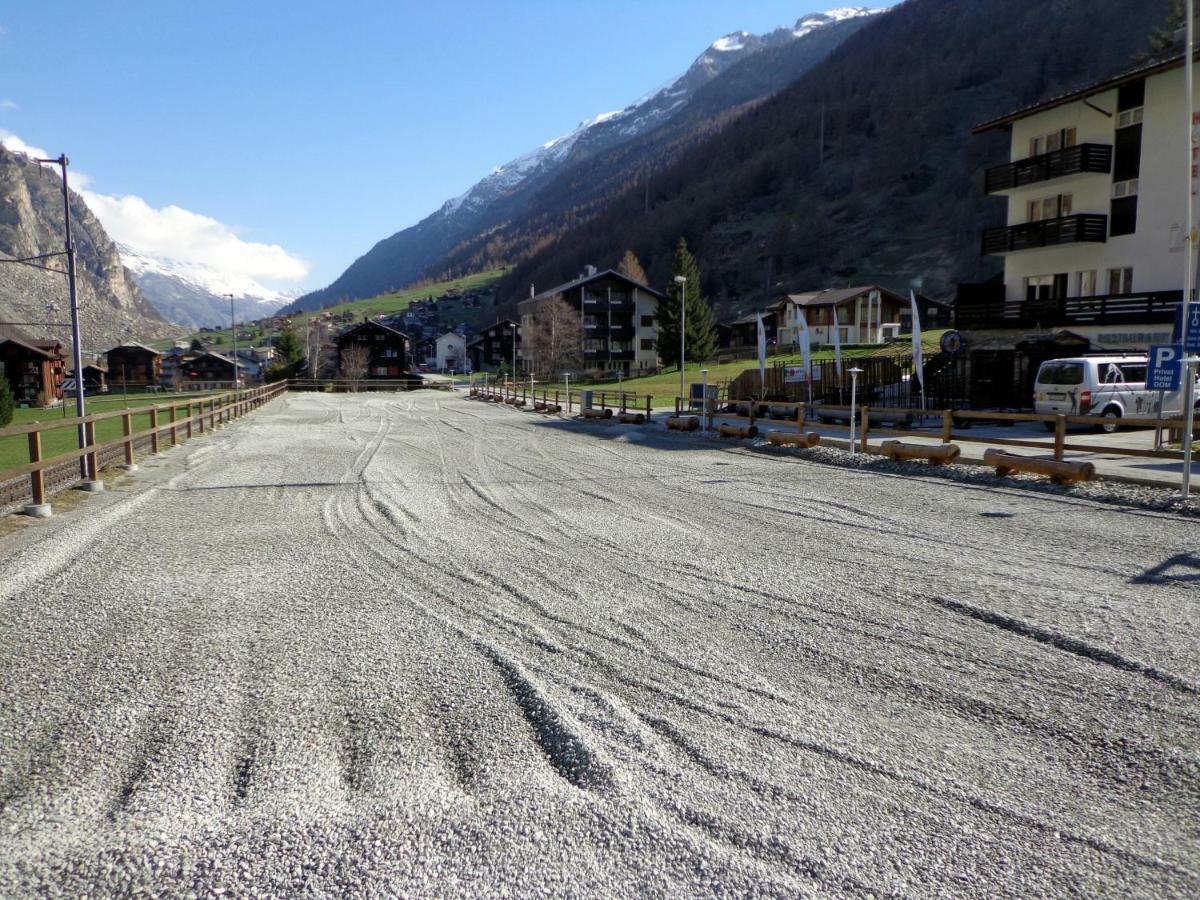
[
  {"x": 173, "y": 232},
  {"x": 7, "y": 105}
]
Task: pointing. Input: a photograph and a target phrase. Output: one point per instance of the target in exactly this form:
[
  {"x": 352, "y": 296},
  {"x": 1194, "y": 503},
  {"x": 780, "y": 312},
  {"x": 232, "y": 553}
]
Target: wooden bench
[
  {"x": 934, "y": 454},
  {"x": 630, "y": 418},
  {"x": 807, "y": 439},
  {"x": 1059, "y": 471},
  {"x": 738, "y": 431},
  {"x": 683, "y": 423},
  {"x": 597, "y": 413}
]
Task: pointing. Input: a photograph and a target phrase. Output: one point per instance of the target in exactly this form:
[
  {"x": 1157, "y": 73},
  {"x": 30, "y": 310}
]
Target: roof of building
[
  {"x": 752, "y": 318},
  {"x": 346, "y": 332},
  {"x": 500, "y": 322},
  {"x": 134, "y": 345},
  {"x": 837, "y": 296},
  {"x": 585, "y": 279},
  {"x": 32, "y": 348},
  {"x": 1136, "y": 73}
]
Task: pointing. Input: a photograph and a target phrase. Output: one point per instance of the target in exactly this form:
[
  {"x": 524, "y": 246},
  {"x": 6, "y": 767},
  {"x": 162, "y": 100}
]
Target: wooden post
[
  {"x": 189, "y": 421},
  {"x": 648, "y": 410},
  {"x": 93, "y": 459},
  {"x": 865, "y": 412},
  {"x": 200, "y": 416},
  {"x": 154, "y": 431},
  {"x": 1060, "y": 435},
  {"x": 174, "y": 428},
  {"x": 127, "y": 429},
  {"x": 947, "y": 425},
  {"x": 800, "y": 419},
  {"x": 37, "y": 478}
]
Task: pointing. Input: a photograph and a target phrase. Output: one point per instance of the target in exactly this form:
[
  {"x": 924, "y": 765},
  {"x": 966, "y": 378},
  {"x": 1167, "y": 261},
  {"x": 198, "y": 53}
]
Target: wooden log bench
[
  {"x": 683, "y": 423},
  {"x": 597, "y": 413},
  {"x": 551, "y": 408},
  {"x": 934, "y": 454},
  {"x": 1060, "y": 471},
  {"x": 807, "y": 439},
  {"x": 632, "y": 418},
  {"x": 738, "y": 431}
]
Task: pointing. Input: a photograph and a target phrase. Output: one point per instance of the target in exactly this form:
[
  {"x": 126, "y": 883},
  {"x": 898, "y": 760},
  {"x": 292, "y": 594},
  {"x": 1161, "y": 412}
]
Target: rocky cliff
[{"x": 112, "y": 309}]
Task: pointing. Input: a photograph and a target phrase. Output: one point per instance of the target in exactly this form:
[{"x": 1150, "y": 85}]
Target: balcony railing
[
  {"x": 1082, "y": 228},
  {"x": 1153, "y": 308},
  {"x": 1047, "y": 166},
  {"x": 605, "y": 355}
]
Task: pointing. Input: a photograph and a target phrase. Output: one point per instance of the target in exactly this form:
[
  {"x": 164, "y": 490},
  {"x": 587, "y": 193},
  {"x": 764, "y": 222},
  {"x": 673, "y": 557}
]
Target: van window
[
  {"x": 1061, "y": 373},
  {"x": 1135, "y": 373}
]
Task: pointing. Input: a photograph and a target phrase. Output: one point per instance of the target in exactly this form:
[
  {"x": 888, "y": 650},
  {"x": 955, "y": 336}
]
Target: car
[{"x": 1113, "y": 387}]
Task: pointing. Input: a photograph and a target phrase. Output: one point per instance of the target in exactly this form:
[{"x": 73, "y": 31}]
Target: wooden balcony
[
  {"x": 1077, "y": 160},
  {"x": 982, "y": 313},
  {"x": 1082, "y": 228}
]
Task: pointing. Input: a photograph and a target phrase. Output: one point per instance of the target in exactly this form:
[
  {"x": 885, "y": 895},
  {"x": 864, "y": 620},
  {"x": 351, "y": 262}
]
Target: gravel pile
[{"x": 413, "y": 644}]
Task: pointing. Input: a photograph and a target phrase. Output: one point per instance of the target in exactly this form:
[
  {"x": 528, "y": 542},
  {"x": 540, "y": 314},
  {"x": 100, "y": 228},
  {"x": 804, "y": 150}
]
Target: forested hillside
[{"x": 894, "y": 197}]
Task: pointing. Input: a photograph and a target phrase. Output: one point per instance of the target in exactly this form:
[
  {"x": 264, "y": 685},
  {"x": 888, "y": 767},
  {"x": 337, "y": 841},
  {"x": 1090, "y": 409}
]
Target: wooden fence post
[
  {"x": 174, "y": 428},
  {"x": 37, "y": 478},
  {"x": 93, "y": 458},
  {"x": 154, "y": 431},
  {"x": 188, "y": 430},
  {"x": 947, "y": 425},
  {"x": 127, "y": 429},
  {"x": 1060, "y": 435},
  {"x": 865, "y": 413}
]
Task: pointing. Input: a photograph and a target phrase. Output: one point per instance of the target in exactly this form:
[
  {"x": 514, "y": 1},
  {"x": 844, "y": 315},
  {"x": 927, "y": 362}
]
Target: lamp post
[
  {"x": 682, "y": 282},
  {"x": 1189, "y": 284},
  {"x": 854, "y": 373},
  {"x": 233, "y": 337},
  {"x": 76, "y": 348}
]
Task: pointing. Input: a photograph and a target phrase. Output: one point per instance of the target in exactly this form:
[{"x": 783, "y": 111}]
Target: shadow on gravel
[{"x": 1164, "y": 573}]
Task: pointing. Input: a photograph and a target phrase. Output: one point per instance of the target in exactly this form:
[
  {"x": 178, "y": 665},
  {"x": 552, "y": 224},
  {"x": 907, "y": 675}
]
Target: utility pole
[
  {"x": 233, "y": 337},
  {"x": 1189, "y": 379},
  {"x": 76, "y": 348},
  {"x": 682, "y": 282}
]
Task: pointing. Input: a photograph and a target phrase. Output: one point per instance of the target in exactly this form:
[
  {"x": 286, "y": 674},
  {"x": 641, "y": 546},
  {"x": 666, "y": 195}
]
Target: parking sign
[{"x": 1166, "y": 364}]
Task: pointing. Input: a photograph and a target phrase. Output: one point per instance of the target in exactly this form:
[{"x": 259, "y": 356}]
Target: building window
[
  {"x": 1046, "y": 287},
  {"x": 647, "y": 343},
  {"x": 1055, "y": 140},
  {"x": 1120, "y": 281},
  {"x": 1085, "y": 282},
  {"x": 1123, "y": 216},
  {"x": 1051, "y": 207},
  {"x": 647, "y": 321}
]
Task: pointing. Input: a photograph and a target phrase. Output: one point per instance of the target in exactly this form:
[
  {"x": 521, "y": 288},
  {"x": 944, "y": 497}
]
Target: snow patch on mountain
[
  {"x": 205, "y": 278},
  {"x": 734, "y": 41}
]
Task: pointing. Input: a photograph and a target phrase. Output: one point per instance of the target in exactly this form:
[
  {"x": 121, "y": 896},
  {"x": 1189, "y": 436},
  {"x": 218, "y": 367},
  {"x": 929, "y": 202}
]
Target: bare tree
[
  {"x": 354, "y": 362},
  {"x": 554, "y": 340},
  {"x": 631, "y": 267}
]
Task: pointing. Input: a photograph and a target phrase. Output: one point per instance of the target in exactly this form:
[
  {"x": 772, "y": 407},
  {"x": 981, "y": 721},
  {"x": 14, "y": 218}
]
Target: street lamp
[
  {"x": 682, "y": 282},
  {"x": 854, "y": 373}
]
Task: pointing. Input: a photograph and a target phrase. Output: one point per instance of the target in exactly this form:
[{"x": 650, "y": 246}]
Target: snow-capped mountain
[
  {"x": 609, "y": 128},
  {"x": 197, "y": 295},
  {"x": 505, "y": 193}
]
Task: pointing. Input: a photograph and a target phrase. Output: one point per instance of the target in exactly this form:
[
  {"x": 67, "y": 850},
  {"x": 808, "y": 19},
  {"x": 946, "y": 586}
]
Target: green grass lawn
[
  {"x": 390, "y": 303},
  {"x": 665, "y": 385},
  {"x": 14, "y": 449}
]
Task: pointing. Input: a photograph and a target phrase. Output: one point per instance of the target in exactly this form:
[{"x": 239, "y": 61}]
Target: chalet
[
  {"x": 1095, "y": 218},
  {"x": 497, "y": 345},
  {"x": 451, "y": 350},
  {"x": 33, "y": 370},
  {"x": 95, "y": 379},
  {"x": 209, "y": 371},
  {"x": 743, "y": 332},
  {"x": 134, "y": 365},
  {"x": 619, "y": 317},
  {"x": 865, "y": 315},
  {"x": 388, "y": 353}
]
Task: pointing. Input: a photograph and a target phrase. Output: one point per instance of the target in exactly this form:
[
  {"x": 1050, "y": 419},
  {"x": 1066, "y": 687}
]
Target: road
[{"x": 415, "y": 644}]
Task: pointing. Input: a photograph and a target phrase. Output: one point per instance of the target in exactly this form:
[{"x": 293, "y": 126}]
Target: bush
[{"x": 8, "y": 402}]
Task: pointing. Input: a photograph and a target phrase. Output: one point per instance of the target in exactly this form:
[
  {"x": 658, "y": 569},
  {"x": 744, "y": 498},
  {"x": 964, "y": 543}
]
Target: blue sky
[{"x": 317, "y": 130}]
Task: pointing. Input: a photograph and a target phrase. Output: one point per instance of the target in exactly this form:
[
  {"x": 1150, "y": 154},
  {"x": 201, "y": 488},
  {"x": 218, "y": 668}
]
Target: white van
[{"x": 1109, "y": 386}]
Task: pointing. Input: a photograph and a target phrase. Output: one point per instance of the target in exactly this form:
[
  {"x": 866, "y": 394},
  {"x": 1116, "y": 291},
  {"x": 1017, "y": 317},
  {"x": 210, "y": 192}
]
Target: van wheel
[{"x": 1112, "y": 419}]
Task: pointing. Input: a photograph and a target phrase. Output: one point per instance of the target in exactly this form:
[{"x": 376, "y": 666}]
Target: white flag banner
[
  {"x": 918, "y": 363},
  {"x": 762, "y": 352},
  {"x": 837, "y": 346}
]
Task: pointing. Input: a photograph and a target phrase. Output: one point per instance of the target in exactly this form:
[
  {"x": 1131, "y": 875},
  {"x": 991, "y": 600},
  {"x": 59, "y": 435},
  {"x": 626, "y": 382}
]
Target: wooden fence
[{"x": 521, "y": 396}]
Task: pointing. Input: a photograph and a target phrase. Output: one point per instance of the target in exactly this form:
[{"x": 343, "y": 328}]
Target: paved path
[{"x": 415, "y": 644}]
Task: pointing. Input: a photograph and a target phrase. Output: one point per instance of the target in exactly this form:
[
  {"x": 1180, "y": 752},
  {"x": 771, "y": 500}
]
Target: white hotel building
[{"x": 1093, "y": 246}]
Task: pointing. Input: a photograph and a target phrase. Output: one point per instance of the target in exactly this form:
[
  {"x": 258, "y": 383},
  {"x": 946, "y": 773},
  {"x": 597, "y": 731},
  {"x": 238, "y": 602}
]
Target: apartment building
[
  {"x": 1096, "y": 210},
  {"x": 619, "y": 318}
]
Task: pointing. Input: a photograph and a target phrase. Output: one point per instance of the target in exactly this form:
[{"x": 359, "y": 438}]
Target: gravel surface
[{"x": 416, "y": 644}]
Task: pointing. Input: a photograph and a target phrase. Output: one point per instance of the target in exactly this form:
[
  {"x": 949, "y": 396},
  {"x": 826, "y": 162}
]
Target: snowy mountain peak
[
  {"x": 735, "y": 40},
  {"x": 201, "y": 276}
]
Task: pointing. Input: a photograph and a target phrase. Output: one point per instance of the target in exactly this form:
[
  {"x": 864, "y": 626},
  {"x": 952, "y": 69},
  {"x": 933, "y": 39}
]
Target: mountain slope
[
  {"x": 112, "y": 309},
  {"x": 196, "y": 295},
  {"x": 897, "y": 197},
  {"x": 504, "y": 195}
]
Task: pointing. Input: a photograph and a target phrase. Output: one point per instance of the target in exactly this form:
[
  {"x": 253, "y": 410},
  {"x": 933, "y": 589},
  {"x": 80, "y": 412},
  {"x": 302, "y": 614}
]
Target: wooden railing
[
  {"x": 171, "y": 422},
  {"x": 521, "y": 396}
]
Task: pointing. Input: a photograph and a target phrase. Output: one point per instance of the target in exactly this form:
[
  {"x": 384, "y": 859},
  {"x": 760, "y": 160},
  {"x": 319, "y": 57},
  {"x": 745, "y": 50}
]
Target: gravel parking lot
[{"x": 416, "y": 644}]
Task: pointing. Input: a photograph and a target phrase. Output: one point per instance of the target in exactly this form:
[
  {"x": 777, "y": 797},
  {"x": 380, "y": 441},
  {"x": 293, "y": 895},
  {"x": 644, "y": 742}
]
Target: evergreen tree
[
  {"x": 7, "y": 402},
  {"x": 701, "y": 331},
  {"x": 196, "y": 345},
  {"x": 631, "y": 267},
  {"x": 288, "y": 348},
  {"x": 1162, "y": 39}
]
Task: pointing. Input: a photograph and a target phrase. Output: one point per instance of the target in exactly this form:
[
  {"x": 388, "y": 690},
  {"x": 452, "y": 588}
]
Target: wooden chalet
[
  {"x": 208, "y": 371},
  {"x": 865, "y": 315},
  {"x": 134, "y": 365},
  {"x": 494, "y": 347},
  {"x": 33, "y": 370},
  {"x": 388, "y": 349},
  {"x": 743, "y": 332}
]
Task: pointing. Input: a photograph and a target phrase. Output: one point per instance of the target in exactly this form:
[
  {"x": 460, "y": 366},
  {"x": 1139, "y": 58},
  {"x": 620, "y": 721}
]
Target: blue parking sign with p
[{"x": 1166, "y": 367}]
